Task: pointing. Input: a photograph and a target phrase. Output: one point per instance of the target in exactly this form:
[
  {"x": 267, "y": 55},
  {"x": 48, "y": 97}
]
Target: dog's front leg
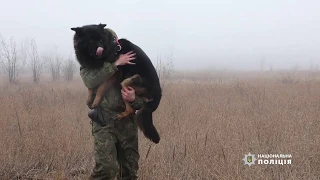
[
  {"x": 102, "y": 88},
  {"x": 90, "y": 97}
]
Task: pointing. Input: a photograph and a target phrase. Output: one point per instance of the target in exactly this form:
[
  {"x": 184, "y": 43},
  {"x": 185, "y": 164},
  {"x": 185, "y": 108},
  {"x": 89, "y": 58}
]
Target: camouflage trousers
[{"x": 115, "y": 150}]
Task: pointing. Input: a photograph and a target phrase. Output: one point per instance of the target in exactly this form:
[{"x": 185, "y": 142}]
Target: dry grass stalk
[{"x": 206, "y": 129}]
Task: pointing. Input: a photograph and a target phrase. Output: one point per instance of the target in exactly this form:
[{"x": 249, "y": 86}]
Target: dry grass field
[{"x": 207, "y": 126}]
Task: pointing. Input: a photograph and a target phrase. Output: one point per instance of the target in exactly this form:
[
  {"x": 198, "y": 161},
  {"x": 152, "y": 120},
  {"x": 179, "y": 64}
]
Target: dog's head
[{"x": 93, "y": 43}]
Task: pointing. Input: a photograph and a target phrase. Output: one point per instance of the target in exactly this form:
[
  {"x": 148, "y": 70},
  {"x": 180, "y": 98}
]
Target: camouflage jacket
[{"x": 112, "y": 103}]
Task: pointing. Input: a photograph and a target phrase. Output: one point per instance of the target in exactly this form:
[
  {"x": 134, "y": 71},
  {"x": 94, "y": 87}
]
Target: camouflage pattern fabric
[
  {"x": 116, "y": 143},
  {"x": 112, "y": 32}
]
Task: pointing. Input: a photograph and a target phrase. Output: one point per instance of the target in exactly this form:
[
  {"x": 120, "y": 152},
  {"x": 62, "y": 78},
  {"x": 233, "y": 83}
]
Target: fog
[{"x": 199, "y": 34}]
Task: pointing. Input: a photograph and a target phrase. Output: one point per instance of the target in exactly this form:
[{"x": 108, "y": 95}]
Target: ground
[{"x": 207, "y": 126}]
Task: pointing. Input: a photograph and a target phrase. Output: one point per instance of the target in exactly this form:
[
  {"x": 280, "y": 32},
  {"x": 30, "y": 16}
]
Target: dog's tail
[
  {"x": 156, "y": 98},
  {"x": 144, "y": 116},
  {"x": 145, "y": 123}
]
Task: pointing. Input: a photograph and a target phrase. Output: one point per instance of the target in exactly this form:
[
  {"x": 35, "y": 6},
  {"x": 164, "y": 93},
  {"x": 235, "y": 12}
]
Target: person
[{"x": 116, "y": 142}]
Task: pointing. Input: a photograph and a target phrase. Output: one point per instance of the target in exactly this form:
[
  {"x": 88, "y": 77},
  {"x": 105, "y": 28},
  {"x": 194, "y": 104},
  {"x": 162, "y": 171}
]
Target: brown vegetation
[{"x": 206, "y": 128}]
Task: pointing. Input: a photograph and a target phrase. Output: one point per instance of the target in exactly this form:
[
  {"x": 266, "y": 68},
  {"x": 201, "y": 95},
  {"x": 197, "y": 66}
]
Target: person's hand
[
  {"x": 128, "y": 94},
  {"x": 125, "y": 59}
]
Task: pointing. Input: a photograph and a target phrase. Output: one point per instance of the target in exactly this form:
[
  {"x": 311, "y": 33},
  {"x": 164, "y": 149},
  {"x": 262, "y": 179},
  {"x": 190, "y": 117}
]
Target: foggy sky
[{"x": 200, "y": 33}]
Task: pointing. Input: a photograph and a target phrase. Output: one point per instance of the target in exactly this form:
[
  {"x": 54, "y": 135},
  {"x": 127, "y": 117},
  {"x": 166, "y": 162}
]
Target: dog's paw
[
  {"x": 89, "y": 104},
  {"x": 94, "y": 105},
  {"x": 117, "y": 117}
]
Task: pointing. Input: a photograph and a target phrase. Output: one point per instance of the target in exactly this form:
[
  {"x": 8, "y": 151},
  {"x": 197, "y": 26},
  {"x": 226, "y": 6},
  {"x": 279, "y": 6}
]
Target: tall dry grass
[{"x": 206, "y": 130}]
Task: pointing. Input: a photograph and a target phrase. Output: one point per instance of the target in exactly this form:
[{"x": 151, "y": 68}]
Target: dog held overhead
[{"x": 94, "y": 45}]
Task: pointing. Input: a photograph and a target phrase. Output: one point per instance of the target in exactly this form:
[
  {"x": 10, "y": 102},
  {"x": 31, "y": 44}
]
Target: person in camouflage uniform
[{"x": 116, "y": 143}]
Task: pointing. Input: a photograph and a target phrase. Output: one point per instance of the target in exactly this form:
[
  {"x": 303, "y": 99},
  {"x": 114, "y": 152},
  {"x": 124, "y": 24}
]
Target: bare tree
[
  {"x": 69, "y": 69},
  {"x": 11, "y": 58},
  {"x": 55, "y": 67},
  {"x": 54, "y": 61},
  {"x": 37, "y": 63},
  {"x": 164, "y": 70}
]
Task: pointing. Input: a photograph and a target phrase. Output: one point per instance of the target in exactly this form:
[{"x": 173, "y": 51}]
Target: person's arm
[
  {"x": 137, "y": 103},
  {"x": 93, "y": 77},
  {"x": 128, "y": 94}
]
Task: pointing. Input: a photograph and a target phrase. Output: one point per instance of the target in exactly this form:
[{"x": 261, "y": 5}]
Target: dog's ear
[
  {"x": 77, "y": 29},
  {"x": 102, "y": 25}
]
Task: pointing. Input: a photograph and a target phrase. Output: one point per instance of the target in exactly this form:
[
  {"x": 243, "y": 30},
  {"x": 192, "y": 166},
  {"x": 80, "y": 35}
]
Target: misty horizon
[{"x": 199, "y": 34}]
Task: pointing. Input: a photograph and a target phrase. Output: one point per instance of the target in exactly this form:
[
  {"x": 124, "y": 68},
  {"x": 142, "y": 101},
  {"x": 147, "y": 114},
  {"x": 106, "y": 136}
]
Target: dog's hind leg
[{"x": 128, "y": 112}]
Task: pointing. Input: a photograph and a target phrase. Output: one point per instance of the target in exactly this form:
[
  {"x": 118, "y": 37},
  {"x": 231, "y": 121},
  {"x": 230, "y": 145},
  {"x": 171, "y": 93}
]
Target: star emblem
[{"x": 249, "y": 159}]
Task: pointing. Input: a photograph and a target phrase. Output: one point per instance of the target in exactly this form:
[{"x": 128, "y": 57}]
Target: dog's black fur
[{"x": 88, "y": 38}]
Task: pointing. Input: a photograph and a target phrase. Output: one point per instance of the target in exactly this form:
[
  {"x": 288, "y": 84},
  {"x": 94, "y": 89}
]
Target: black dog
[{"x": 95, "y": 45}]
